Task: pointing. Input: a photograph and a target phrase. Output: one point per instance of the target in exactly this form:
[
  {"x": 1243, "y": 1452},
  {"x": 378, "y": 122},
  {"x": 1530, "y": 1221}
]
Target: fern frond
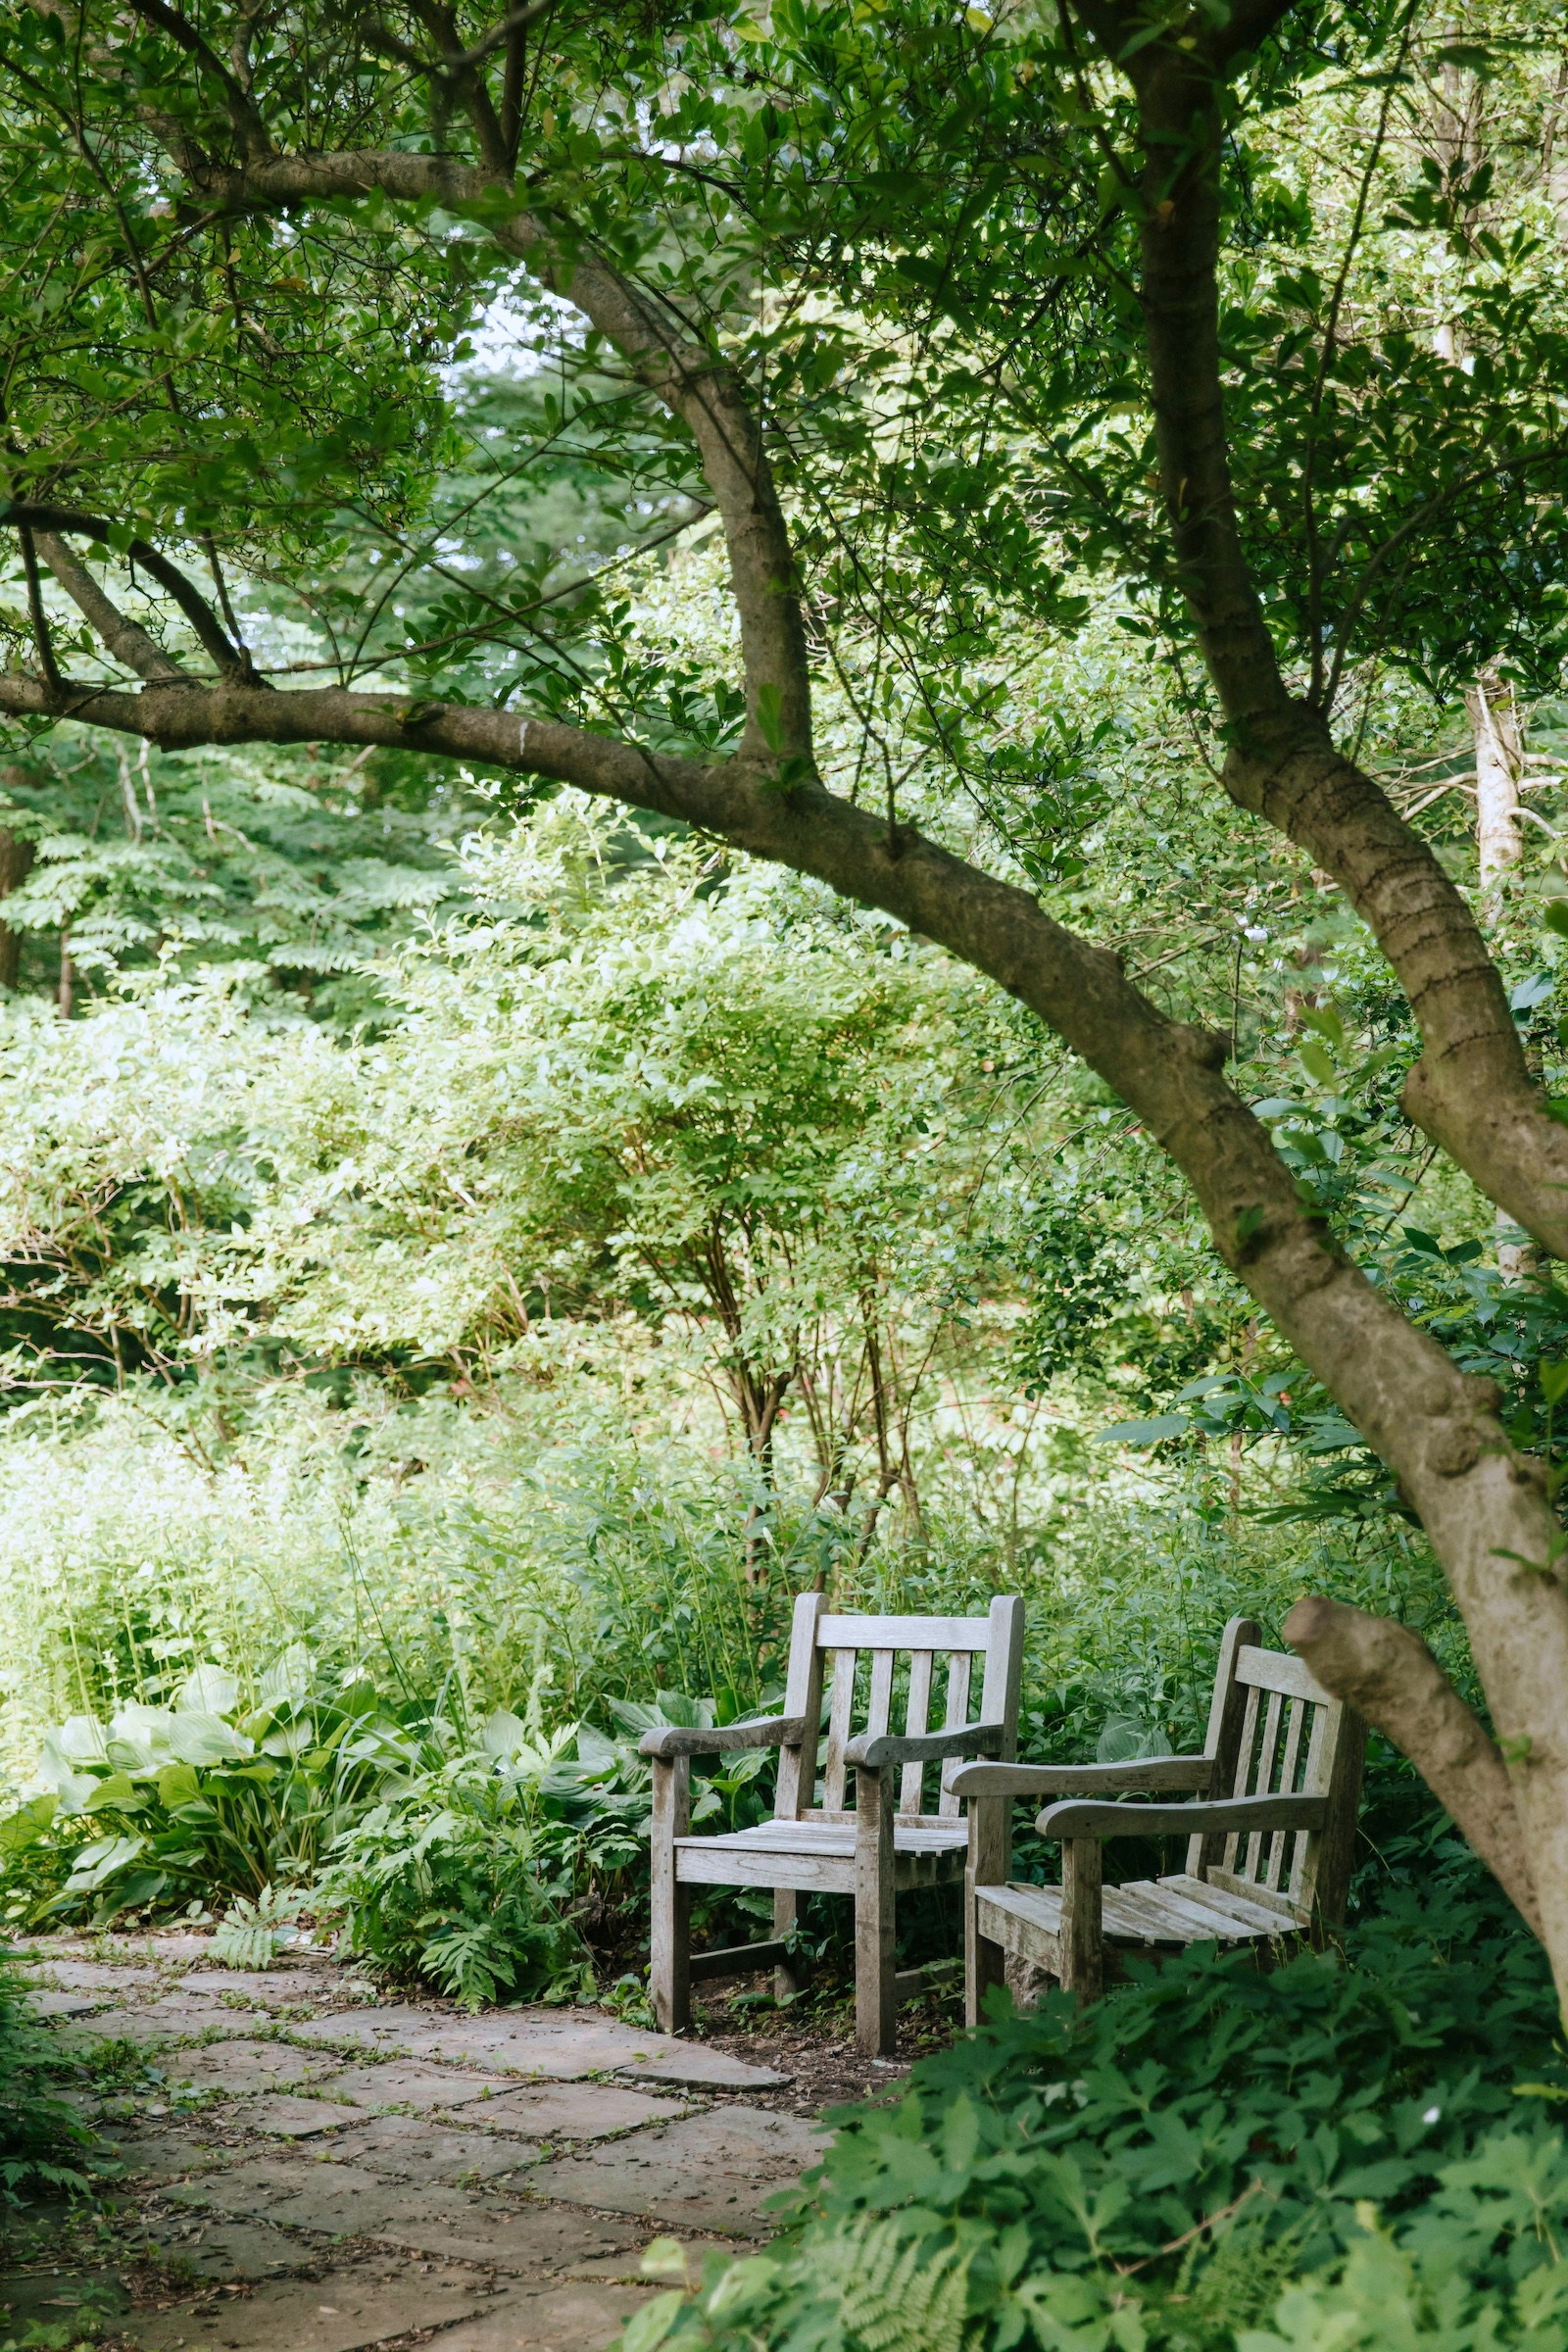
[{"x": 897, "y": 2295}]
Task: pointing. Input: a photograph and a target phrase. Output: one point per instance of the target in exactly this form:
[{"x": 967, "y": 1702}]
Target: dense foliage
[
  {"x": 1329, "y": 2156},
  {"x": 467, "y": 1262}
]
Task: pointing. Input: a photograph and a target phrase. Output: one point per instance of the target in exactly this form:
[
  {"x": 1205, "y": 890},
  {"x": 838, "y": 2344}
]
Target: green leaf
[
  {"x": 197, "y": 1737},
  {"x": 177, "y": 1784},
  {"x": 208, "y": 1689},
  {"x": 27, "y": 1824},
  {"x": 648, "y": 2328},
  {"x": 1144, "y": 1433},
  {"x": 117, "y": 1790}
]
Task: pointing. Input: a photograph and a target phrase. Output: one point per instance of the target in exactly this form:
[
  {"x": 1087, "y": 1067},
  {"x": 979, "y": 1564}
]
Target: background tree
[{"x": 850, "y": 287}]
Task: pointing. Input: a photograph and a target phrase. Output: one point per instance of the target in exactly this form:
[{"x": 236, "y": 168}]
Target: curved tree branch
[
  {"x": 1471, "y": 1091},
  {"x": 125, "y": 638},
  {"x": 694, "y": 382},
  {"x": 234, "y": 662},
  {"x": 1389, "y": 1675}
]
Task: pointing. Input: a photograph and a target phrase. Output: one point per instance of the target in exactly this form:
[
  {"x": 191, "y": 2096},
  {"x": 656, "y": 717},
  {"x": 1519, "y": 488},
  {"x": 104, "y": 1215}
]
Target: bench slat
[
  {"x": 904, "y": 1633},
  {"x": 958, "y": 1668},
  {"x": 838, "y": 1730},
  {"x": 1280, "y": 1670},
  {"x": 915, "y": 1721}
]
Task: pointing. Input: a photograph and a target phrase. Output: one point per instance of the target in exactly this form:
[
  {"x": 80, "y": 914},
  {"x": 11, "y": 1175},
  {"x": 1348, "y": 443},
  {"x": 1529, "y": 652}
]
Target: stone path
[{"x": 307, "y": 2169}]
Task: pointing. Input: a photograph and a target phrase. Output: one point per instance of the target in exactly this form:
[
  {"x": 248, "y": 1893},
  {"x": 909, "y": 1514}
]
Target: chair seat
[
  {"x": 818, "y": 1856},
  {"x": 1174, "y": 1911}
]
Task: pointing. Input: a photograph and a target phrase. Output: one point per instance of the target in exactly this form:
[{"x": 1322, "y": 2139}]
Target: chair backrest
[
  {"x": 1273, "y": 1729},
  {"x": 863, "y": 1662}
]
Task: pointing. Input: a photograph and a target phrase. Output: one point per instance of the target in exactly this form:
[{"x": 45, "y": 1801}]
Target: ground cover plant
[
  {"x": 1351, "y": 2150},
  {"x": 45, "y": 2147}
]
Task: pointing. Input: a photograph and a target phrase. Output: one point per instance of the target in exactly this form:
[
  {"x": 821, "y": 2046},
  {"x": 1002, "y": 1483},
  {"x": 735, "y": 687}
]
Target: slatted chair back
[
  {"x": 1274, "y": 1731},
  {"x": 938, "y": 1673}
]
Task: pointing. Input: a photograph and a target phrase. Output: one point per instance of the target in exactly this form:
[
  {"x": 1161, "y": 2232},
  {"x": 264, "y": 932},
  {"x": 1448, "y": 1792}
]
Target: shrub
[
  {"x": 1209, "y": 2150},
  {"x": 445, "y": 1880},
  {"x": 45, "y": 2147},
  {"x": 181, "y": 1805},
  {"x": 324, "y": 1796}
]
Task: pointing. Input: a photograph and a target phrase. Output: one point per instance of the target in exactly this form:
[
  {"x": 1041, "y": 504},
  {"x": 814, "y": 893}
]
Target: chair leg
[
  {"x": 876, "y": 2011},
  {"x": 786, "y": 1916},
  {"x": 670, "y": 1955},
  {"x": 985, "y": 1961},
  {"x": 985, "y": 1968},
  {"x": 1082, "y": 1939}
]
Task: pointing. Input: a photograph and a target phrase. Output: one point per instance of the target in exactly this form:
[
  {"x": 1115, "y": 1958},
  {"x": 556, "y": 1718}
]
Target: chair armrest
[
  {"x": 1180, "y": 1821},
  {"x": 1082, "y": 1780},
  {"x": 927, "y": 1748},
  {"x": 673, "y": 1740}
]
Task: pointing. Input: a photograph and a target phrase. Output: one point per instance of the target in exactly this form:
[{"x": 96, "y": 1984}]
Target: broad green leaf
[
  {"x": 197, "y": 1737},
  {"x": 1144, "y": 1433},
  {"x": 208, "y": 1691}
]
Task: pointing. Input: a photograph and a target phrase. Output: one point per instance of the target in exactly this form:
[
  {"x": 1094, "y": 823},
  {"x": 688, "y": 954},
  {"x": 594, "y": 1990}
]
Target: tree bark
[
  {"x": 16, "y": 864},
  {"x": 1494, "y": 725},
  {"x": 1390, "y": 1677},
  {"x": 1499, "y": 853}
]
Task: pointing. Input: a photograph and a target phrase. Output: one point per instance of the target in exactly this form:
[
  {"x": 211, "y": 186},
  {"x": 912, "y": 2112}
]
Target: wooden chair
[
  {"x": 1268, "y": 1855},
  {"x": 886, "y": 1842}
]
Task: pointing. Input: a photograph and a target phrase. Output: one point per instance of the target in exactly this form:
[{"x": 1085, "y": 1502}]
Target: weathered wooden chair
[
  {"x": 886, "y": 1843},
  {"x": 1268, "y": 1855}
]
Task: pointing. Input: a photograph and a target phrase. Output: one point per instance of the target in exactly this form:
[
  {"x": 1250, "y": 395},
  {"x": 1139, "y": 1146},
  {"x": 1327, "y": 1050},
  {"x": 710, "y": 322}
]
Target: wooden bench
[
  {"x": 886, "y": 1842},
  {"x": 1271, "y": 1835}
]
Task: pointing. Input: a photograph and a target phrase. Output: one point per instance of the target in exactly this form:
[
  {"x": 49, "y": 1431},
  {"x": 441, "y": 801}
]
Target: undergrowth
[
  {"x": 44, "y": 2147},
  {"x": 1357, "y": 2151}
]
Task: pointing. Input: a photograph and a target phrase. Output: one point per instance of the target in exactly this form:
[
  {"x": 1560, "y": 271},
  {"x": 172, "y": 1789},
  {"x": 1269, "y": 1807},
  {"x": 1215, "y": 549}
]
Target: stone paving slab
[
  {"x": 407, "y": 2083},
  {"x": 505, "y": 2234},
  {"x": 170, "y": 2020},
  {"x": 409, "y": 2148},
  {"x": 92, "y": 1975},
  {"x": 267, "y": 1987},
  {"x": 253, "y": 2186},
  {"x": 573, "y": 2111},
  {"x": 344, "y": 2308},
  {"x": 46, "y": 2003},
  {"x": 241, "y": 2066},
  {"x": 567, "y": 2047},
  {"x": 544, "y": 2043},
  {"x": 394, "y": 2027},
  {"x": 284, "y": 2116},
  {"x": 347, "y": 2200},
  {"x": 563, "y": 2318},
  {"x": 711, "y": 2171},
  {"x": 218, "y": 2249},
  {"x": 165, "y": 2156}
]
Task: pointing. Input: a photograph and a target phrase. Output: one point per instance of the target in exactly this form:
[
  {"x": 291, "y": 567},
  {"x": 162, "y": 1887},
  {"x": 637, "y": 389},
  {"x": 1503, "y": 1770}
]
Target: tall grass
[{"x": 499, "y": 1560}]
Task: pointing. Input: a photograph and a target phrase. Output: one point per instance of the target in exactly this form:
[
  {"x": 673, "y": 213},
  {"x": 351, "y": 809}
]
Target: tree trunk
[
  {"x": 1498, "y": 741},
  {"x": 16, "y": 863},
  {"x": 1495, "y": 722}
]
